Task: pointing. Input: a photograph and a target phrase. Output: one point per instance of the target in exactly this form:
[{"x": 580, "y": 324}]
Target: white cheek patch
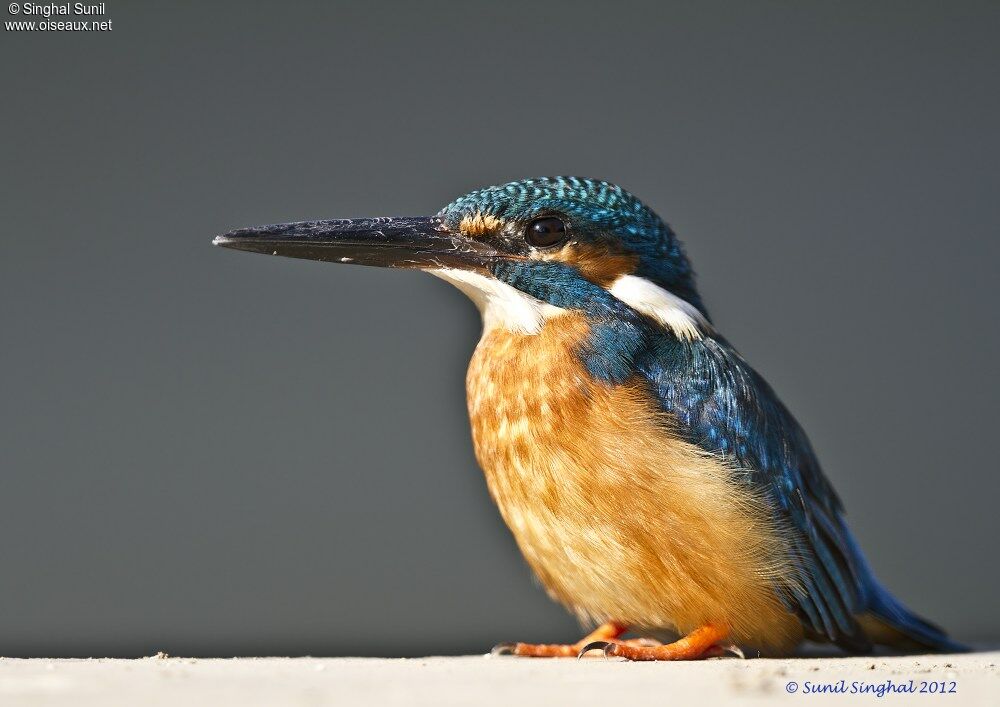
[
  {"x": 500, "y": 304},
  {"x": 681, "y": 317}
]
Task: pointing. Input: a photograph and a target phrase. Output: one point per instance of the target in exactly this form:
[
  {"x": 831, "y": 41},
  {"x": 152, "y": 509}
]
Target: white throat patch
[
  {"x": 500, "y": 304},
  {"x": 507, "y": 307},
  {"x": 681, "y": 317}
]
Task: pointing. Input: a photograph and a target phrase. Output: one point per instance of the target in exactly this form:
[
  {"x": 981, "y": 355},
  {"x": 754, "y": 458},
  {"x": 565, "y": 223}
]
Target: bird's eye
[{"x": 545, "y": 232}]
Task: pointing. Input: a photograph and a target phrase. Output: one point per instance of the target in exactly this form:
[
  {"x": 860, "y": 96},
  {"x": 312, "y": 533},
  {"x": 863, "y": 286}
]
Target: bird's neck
[{"x": 526, "y": 312}]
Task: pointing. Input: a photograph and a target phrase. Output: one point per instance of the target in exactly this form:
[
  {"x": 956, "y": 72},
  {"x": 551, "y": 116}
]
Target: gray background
[{"x": 207, "y": 452}]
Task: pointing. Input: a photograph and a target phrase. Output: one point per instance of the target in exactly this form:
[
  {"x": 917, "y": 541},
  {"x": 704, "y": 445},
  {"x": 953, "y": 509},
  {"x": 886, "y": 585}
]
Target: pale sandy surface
[{"x": 478, "y": 680}]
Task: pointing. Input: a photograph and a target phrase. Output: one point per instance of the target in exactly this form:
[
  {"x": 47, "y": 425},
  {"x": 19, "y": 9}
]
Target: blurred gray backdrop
[{"x": 212, "y": 453}]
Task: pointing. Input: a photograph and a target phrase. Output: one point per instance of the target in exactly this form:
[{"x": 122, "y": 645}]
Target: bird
[{"x": 651, "y": 478}]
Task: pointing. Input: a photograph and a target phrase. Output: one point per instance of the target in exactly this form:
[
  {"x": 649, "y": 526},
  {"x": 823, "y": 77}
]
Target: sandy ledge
[{"x": 479, "y": 680}]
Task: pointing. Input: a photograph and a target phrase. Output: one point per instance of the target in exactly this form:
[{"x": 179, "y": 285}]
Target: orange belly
[{"x": 621, "y": 520}]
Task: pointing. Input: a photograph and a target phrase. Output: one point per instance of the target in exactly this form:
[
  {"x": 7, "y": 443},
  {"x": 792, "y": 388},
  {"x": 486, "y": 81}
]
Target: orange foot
[
  {"x": 700, "y": 643},
  {"x": 603, "y": 634},
  {"x": 703, "y": 642}
]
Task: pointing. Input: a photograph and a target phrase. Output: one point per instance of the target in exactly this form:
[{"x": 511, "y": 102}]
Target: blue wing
[{"x": 722, "y": 405}]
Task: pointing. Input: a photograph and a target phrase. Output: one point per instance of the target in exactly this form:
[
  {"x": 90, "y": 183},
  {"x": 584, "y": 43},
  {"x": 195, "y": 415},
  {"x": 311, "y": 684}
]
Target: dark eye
[{"x": 545, "y": 231}]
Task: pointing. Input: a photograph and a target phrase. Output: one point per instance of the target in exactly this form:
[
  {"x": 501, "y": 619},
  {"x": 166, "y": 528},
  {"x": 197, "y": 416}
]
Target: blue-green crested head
[{"x": 609, "y": 232}]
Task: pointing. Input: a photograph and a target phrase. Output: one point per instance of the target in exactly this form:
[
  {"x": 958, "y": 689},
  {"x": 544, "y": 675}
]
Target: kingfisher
[{"x": 652, "y": 479}]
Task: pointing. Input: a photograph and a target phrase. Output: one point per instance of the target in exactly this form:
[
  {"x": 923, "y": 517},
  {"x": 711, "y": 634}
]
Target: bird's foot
[
  {"x": 605, "y": 633},
  {"x": 704, "y": 642}
]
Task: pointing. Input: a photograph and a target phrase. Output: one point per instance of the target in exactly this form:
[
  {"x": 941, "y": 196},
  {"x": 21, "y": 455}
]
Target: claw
[
  {"x": 503, "y": 649},
  {"x": 734, "y": 650},
  {"x": 595, "y": 646},
  {"x": 723, "y": 651}
]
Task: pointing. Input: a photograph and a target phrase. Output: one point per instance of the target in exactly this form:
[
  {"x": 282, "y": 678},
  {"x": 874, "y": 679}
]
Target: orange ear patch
[
  {"x": 598, "y": 264},
  {"x": 479, "y": 224}
]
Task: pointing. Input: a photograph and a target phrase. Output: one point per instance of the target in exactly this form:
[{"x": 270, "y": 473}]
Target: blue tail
[
  {"x": 891, "y": 612},
  {"x": 888, "y": 609}
]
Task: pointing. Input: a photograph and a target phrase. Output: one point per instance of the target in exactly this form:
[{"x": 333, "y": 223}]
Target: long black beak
[{"x": 404, "y": 242}]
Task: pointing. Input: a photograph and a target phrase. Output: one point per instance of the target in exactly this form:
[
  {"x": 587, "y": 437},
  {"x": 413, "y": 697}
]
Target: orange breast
[{"x": 620, "y": 519}]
